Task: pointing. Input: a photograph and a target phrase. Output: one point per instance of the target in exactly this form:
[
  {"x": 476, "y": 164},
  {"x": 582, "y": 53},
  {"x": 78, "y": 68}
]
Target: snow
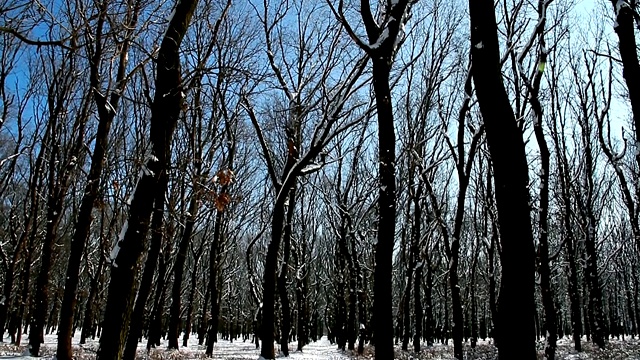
[
  {"x": 322, "y": 349},
  {"x": 223, "y": 349},
  {"x": 311, "y": 168},
  {"x": 384, "y": 36},
  {"x": 116, "y": 246},
  {"x": 621, "y": 4}
]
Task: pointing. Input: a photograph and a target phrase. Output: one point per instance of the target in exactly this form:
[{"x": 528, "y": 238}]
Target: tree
[
  {"x": 106, "y": 111},
  {"x": 381, "y": 47},
  {"x": 165, "y": 110},
  {"x": 506, "y": 145}
]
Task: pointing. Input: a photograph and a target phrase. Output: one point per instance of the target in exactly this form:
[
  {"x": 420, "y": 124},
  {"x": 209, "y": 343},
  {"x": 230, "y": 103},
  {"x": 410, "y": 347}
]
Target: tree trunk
[
  {"x": 194, "y": 281},
  {"x": 146, "y": 283},
  {"x": 29, "y": 227},
  {"x": 429, "y": 331},
  {"x": 183, "y": 247},
  {"x": 106, "y": 114},
  {"x": 212, "y": 333},
  {"x": 282, "y": 278},
  {"x": 506, "y": 146},
  {"x": 165, "y": 111},
  {"x": 87, "y": 322},
  {"x": 302, "y": 285},
  {"x": 202, "y": 327},
  {"x": 155, "y": 325},
  {"x": 58, "y": 186},
  {"x": 382, "y": 283},
  {"x": 624, "y": 27}
]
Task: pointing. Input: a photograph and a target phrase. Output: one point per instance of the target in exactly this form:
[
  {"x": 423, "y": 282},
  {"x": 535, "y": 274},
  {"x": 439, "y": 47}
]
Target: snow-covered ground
[
  {"x": 629, "y": 349},
  {"x": 223, "y": 349}
]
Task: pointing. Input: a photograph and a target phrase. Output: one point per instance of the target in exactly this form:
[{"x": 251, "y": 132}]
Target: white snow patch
[
  {"x": 384, "y": 36},
  {"x": 116, "y": 246},
  {"x": 310, "y": 168},
  {"x": 621, "y": 4}
]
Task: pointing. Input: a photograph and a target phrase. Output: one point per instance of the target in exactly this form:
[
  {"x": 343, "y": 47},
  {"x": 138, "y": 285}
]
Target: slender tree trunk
[
  {"x": 282, "y": 278},
  {"x": 415, "y": 250},
  {"x": 192, "y": 293},
  {"x": 202, "y": 327},
  {"x": 212, "y": 333},
  {"x": 106, "y": 113},
  {"x": 29, "y": 227},
  {"x": 146, "y": 283},
  {"x": 155, "y": 325},
  {"x": 382, "y": 283},
  {"x": 87, "y": 321},
  {"x": 302, "y": 286},
  {"x": 429, "y": 333},
  {"x": 183, "y": 247},
  {"x": 165, "y": 111},
  {"x": 26, "y": 277},
  {"x": 506, "y": 146},
  {"x": 58, "y": 186},
  {"x": 624, "y": 28}
]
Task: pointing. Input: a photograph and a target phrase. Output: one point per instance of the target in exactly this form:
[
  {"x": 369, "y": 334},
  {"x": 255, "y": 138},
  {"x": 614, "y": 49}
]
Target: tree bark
[
  {"x": 59, "y": 182},
  {"x": 212, "y": 332},
  {"x": 183, "y": 247},
  {"x": 106, "y": 114},
  {"x": 382, "y": 283},
  {"x": 506, "y": 146},
  {"x": 192, "y": 293},
  {"x": 87, "y": 321},
  {"x": 146, "y": 283},
  {"x": 282, "y": 277},
  {"x": 155, "y": 324},
  {"x": 165, "y": 110},
  {"x": 624, "y": 28}
]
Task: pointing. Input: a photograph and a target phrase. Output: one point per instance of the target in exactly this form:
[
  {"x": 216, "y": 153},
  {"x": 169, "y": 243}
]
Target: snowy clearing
[{"x": 628, "y": 349}]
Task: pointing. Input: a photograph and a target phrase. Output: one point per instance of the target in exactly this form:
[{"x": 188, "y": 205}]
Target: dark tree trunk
[
  {"x": 362, "y": 301},
  {"x": 382, "y": 283},
  {"x": 146, "y": 283},
  {"x": 302, "y": 286},
  {"x": 165, "y": 111},
  {"x": 588, "y": 222},
  {"x": 493, "y": 304},
  {"x": 59, "y": 182},
  {"x": 282, "y": 277},
  {"x": 106, "y": 114},
  {"x": 429, "y": 332},
  {"x": 90, "y": 307},
  {"x": 596, "y": 307},
  {"x": 155, "y": 324},
  {"x": 543, "y": 266},
  {"x": 212, "y": 330},
  {"x": 636, "y": 297},
  {"x": 26, "y": 277},
  {"x": 192, "y": 293},
  {"x": 416, "y": 235},
  {"x": 506, "y": 146},
  {"x": 570, "y": 252},
  {"x": 183, "y": 247},
  {"x": 624, "y": 27},
  {"x": 202, "y": 327}
]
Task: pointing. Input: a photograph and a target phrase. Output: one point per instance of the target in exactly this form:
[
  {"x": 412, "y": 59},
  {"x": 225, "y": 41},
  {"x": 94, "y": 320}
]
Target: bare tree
[
  {"x": 165, "y": 110},
  {"x": 506, "y": 145}
]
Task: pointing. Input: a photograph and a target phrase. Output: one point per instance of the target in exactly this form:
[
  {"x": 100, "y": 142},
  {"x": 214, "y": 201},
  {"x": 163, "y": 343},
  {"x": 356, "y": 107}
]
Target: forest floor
[{"x": 628, "y": 349}]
